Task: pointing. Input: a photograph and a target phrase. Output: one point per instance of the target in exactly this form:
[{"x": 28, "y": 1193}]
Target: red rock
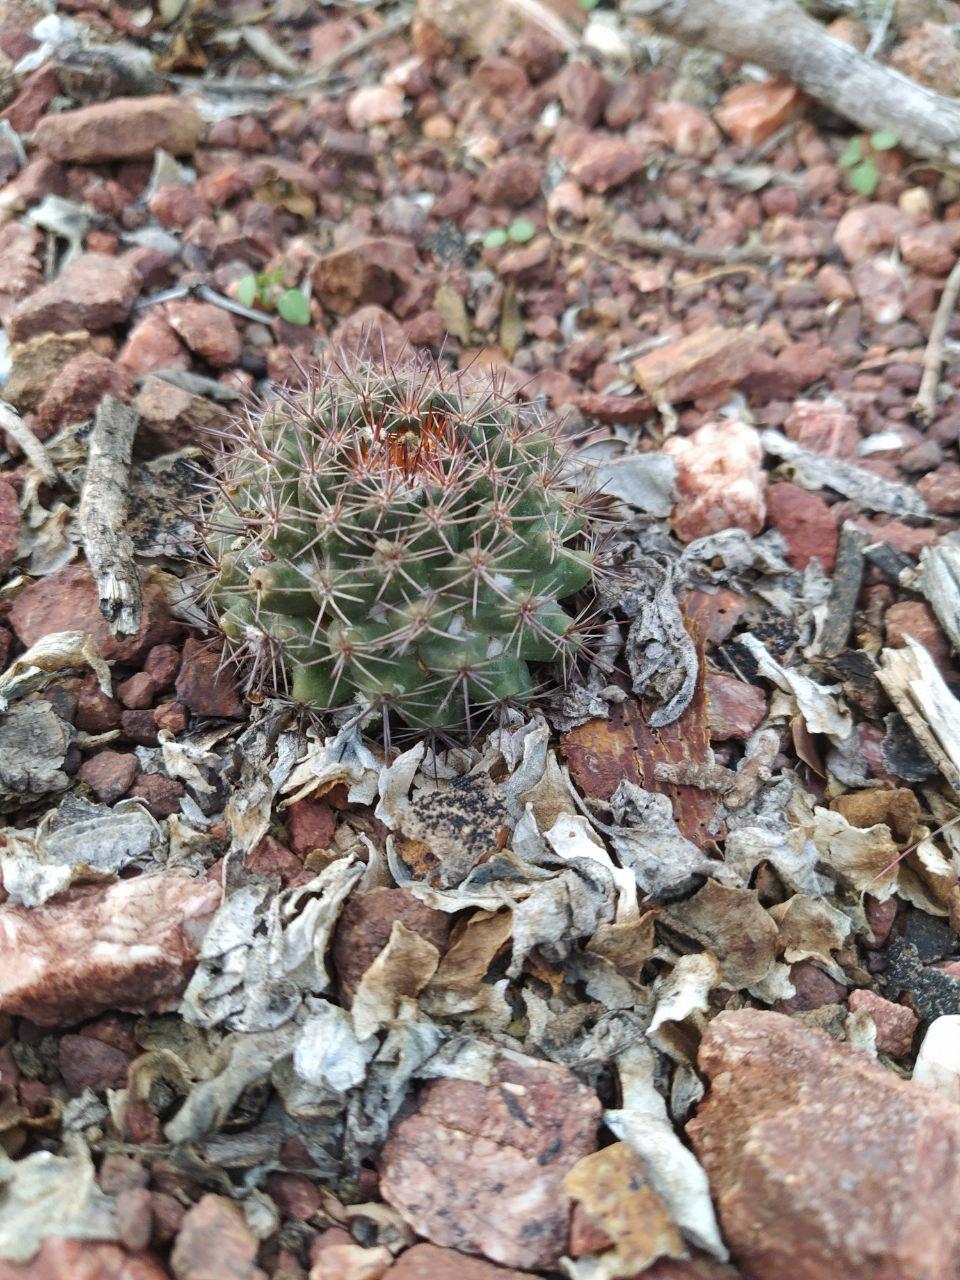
[
  {"x": 36, "y": 363},
  {"x": 785, "y": 375},
  {"x": 173, "y": 418},
  {"x": 168, "y": 1215},
  {"x": 823, "y": 426},
  {"x": 585, "y": 1235},
  {"x": 171, "y": 716},
  {"x": 834, "y": 285},
  {"x": 214, "y": 1243},
  {"x": 584, "y": 91},
  {"x": 131, "y": 945},
  {"x": 512, "y": 181},
  {"x": 121, "y": 1173},
  {"x": 369, "y": 333},
  {"x": 930, "y": 55},
  {"x": 77, "y": 390},
  {"x": 93, "y": 292},
  {"x": 915, "y": 618},
  {"x": 160, "y": 794},
  {"x": 614, "y": 409},
  {"x": 294, "y": 1195},
  {"x": 9, "y": 523},
  {"x": 720, "y": 480},
  {"x": 153, "y": 345},
  {"x": 109, "y": 774},
  {"x": 36, "y": 93},
  {"x": 698, "y": 364},
  {"x": 425, "y": 330},
  {"x": 751, "y": 113},
  {"x": 375, "y": 104},
  {"x": 177, "y": 207},
  {"x": 940, "y": 489},
  {"x": 806, "y": 522},
  {"x": 67, "y": 601},
  {"x": 203, "y": 685},
  {"x": 124, "y": 129},
  {"x": 812, "y": 989},
  {"x": 84, "y": 1260},
  {"x": 866, "y": 229},
  {"x": 881, "y": 286},
  {"x": 364, "y": 930},
  {"x": 96, "y": 712},
  {"x": 370, "y": 271},
  {"x": 270, "y": 858},
  {"x": 821, "y": 1163},
  {"x": 931, "y": 249},
  {"x": 482, "y": 1166},
  {"x": 427, "y": 1262},
  {"x": 734, "y": 709},
  {"x": 686, "y": 129},
  {"x": 86, "y": 1063},
  {"x": 207, "y": 330},
  {"x": 138, "y": 692},
  {"x": 605, "y": 162},
  {"x": 895, "y": 1023},
  {"x": 41, "y": 177},
  {"x": 139, "y": 727},
  {"x": 900, "y": 536},
  {"x": 162, "y": 664},
  {"x": 20, "y": 272},
  {"x": 310, "y": 825}
]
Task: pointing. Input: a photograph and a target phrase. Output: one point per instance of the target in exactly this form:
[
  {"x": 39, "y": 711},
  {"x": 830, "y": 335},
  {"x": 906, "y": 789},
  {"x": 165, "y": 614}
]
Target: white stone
[{"x": 938, "y": 1062}]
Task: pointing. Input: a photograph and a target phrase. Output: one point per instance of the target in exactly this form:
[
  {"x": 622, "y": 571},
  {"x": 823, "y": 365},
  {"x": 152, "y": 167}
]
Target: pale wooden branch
[
  {"x": 103, "y": 508},
  {"x": 27, "y": 442},
  {"x": 926, "y": 402},
  {"x": 779, "y": 36}
]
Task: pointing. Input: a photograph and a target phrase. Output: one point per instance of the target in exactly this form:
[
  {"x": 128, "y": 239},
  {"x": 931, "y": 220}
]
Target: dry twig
[
  {"x": 103, "y": 506},
  {"x": 926, "y": 402},
  {"x": 27, "y": 442}
]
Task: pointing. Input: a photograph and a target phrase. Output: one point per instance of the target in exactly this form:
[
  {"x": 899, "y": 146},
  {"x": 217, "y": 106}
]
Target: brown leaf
[
  {"x": 454, "y": 312},
  {"x": 512, "y": 327}
]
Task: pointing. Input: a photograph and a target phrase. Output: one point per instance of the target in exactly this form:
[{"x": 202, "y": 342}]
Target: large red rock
[
  {"x": 78, "y": 388},
  {"x": 821, "y": 1163},
  {"x": 67, "y": 601},
  {"x": 480, "y": 1168},
  {"x": 697, "y": 364},
  {"x": 94, "y": 291},
  {"x": 215, "y": 1243},
  {"x": 370, "y": 271},
  {"x": 124, "y": 129},
  {"x": 84, "y": 1260},
  {"x": 131, "y": 945},
  {"x": 806, "y": 523}
]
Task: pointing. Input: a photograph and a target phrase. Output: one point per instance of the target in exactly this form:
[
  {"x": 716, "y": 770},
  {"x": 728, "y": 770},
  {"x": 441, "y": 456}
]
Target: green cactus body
[{"x": 399, "y": 539}]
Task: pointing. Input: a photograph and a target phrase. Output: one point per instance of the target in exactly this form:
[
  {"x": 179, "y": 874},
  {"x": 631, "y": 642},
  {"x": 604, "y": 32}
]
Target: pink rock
[
  {"x": 133, "y": 1208},
  {"x": 109, "y": 774},
  {"x": 686, "y": 129},
  {"x": 481, "y": 1167},
  {"x": 882, "y": 289},
  {"x": 162, "y": 663},
  {"x": 822, "y": 1163},
  {"x": 37, "y": 91},
  {"x": 124, "y": 129},
  {"x": 375, "y": 104},
  {"x": 863, "y": 231},
  {"x": 9, "y": 523},
  {"x": 812, "y": 989},
  {"x": 310, "y": 825},
  {"x": 807, "y": 523},
  {"x": 734, "y": 709},
  {"x": 751, "y": 113},
  {"x": 131, "y": 945},
  {"x": 697, "y": 364},
  {"x": 93, "y": 292},
  {"x": 153, "y": 345},
  {"x": 177, "y": 207},
  {"x": 204, "y": 684},
  {"x": 512, "y": 181},
  {"x": 823, "y": 426},
  {"x": 207, "y": 330},
  {"x": 215, "y": 1243},
  {"x": 785, "y": 375},
  {"x": 172, "y": 417},
  {"x": 930, "y": 55},
  {"x": 720, "y": 480},
  {"x": 368, "y": 271},
  {"x": 84, "y": 1260},
  {"x": 20, "y": 272},
  {"x": 427, "y": 1262},
  {"x": 605, "y": 162},
  {"x": 940, "y": 489},
  {"x": 915, "y": 618},
  {"x": 364, "y": 928},
  {"x": 895, "y": 1023},
  {"x": 160, "y": 794},
  {"x": 78, "y": 388},
  {"x": 370, "y": 333},
  {"x": 931, "y": 249},
  {"x": 294, "y": 1195},
  {"x": 834, "y": 285}
]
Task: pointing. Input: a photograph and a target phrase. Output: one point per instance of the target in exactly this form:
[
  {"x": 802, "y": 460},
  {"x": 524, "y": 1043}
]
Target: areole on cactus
[{"x": 398, "y": 538}]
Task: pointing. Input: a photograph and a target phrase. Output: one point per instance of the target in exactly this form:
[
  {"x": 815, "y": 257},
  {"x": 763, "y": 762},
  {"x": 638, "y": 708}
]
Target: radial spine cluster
[{"x": 397, "y": 538}]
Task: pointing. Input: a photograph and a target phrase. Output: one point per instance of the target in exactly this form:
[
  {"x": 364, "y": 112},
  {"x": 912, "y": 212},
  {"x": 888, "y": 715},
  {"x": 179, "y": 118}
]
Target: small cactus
[{"x": 399, "y": 539}]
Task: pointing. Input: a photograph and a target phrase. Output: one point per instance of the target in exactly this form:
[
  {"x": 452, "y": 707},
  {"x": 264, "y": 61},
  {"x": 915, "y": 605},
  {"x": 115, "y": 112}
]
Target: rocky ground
[{"x": 643, "y": 993}]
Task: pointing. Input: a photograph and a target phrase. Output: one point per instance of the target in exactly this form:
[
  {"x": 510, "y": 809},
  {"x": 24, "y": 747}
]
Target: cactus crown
[{"x": 398, "y": 537}]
